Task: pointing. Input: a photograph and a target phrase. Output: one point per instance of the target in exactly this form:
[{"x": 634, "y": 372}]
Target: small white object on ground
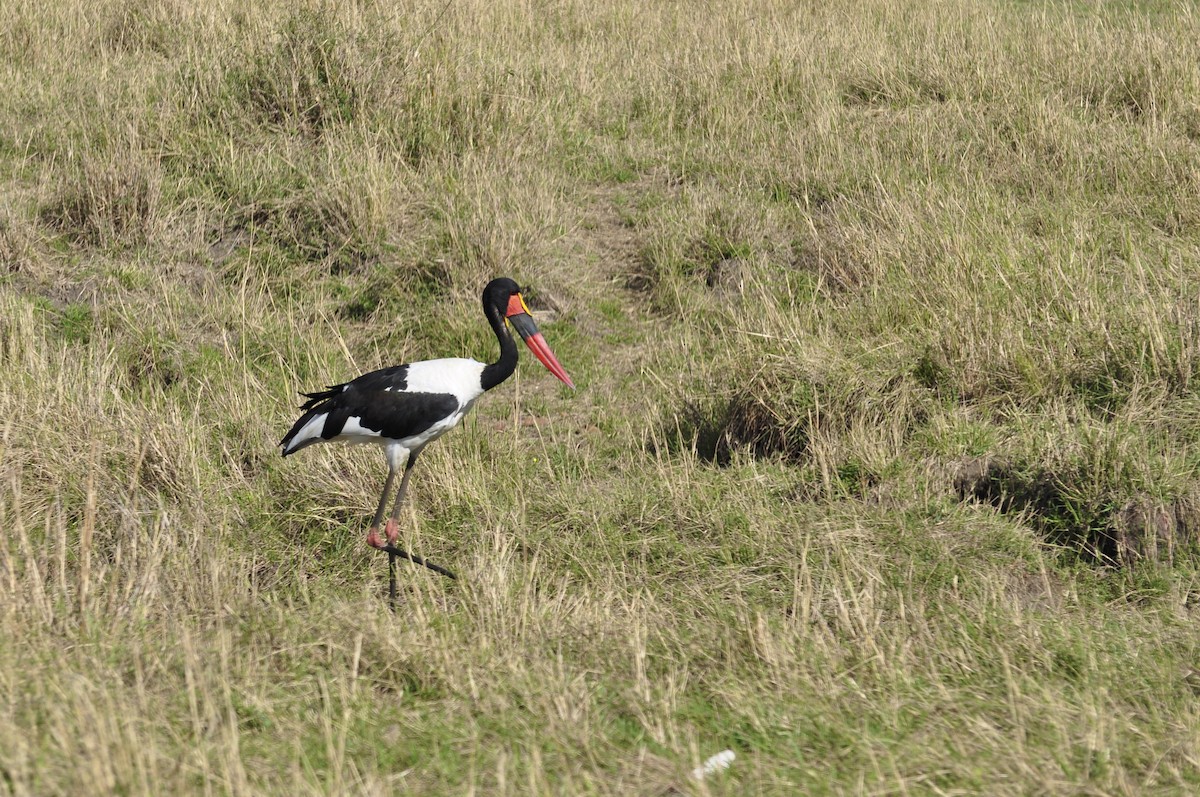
[{"x": 714, "y": 764}]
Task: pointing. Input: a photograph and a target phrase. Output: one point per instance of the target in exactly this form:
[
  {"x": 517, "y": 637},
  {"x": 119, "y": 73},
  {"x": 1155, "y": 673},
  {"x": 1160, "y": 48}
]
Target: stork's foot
[
  {"x": 418, "y": 560},
  {"x": 374, "y": 540},
  {"x": 389, "y": 547}
]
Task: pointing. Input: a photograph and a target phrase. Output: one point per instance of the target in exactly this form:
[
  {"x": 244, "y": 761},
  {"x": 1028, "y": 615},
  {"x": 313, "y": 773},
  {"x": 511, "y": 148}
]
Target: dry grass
[{"x": 804, "y": 260}]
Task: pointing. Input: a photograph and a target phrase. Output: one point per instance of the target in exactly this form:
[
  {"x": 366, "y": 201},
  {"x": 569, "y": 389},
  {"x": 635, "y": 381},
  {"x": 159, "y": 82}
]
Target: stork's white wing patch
[
  {"x": 354, "y": 428},
  {"x": 309, "y": 431}
]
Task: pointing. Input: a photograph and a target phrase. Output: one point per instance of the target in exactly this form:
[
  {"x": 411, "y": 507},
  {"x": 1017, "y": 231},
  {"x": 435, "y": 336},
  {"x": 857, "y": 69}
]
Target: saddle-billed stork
[{"x": 406, "y": 407}]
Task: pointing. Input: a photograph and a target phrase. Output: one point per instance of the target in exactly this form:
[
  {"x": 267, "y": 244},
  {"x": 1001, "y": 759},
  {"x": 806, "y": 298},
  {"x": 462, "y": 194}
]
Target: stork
[{"x": 406, "y": 407}]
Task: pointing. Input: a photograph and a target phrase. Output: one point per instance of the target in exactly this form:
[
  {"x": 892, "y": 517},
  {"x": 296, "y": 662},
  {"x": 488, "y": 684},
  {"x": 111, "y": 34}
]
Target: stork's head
[{"x": 504, "y": 297}]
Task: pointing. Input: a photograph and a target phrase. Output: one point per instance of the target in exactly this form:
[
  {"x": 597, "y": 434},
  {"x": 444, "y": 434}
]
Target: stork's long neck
[{"x": 503, "y": 368}]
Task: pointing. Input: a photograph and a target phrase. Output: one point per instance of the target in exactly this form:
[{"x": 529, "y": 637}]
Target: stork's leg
[
  {"x": 393, "y": 525},
  {"x": 373, "y": 538},
  {"x": 392, "y": 530}
]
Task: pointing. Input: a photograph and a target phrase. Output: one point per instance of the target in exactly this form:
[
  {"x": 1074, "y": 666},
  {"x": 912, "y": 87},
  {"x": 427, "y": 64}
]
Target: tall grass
[{"x": 883, "y": 467}]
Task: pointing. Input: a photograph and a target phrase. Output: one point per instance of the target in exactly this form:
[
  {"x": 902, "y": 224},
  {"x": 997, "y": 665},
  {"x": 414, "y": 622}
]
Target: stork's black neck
[{"x": 503, "y": 368}]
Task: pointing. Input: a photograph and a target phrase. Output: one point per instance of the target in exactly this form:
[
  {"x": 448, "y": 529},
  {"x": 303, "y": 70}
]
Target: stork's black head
[
  {"x": 503, "y": 297},
  {"x": 497, "y": 293}
]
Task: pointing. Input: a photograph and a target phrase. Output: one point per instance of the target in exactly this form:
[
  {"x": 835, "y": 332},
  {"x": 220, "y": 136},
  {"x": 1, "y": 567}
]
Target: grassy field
[{"x": 884, "y": 466}]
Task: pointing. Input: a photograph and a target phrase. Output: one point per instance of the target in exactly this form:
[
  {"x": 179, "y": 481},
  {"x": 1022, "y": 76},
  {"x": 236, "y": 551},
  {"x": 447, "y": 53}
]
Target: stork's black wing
[{"x": 379, "y": 402}]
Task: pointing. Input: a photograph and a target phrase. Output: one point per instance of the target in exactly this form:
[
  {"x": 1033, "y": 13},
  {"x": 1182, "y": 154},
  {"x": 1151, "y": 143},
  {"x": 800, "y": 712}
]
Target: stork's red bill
[{"x": 522, "y": 320}]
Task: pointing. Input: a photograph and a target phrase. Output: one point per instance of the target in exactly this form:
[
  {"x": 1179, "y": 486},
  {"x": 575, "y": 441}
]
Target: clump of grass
[
  {"x": 18, "y": 251},
  {"x": 109, "y": 197},
  {"x": 835, "y": 419},
  {"x": 710, "y": 247},
  {"x": 1114, "y": 493},
  {"x": 832, "y": 240},
  {"x": 313, "y": 75},
  {"x": 142, "y": 27}
]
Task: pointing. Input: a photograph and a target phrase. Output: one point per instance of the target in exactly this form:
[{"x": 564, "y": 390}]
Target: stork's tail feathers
[
  {"x": 317, "y": 397},
  {"x": 307, "y": 430}
]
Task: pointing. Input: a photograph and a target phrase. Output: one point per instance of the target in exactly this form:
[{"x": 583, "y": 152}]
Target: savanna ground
[{"x": 883, "y": 467}]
